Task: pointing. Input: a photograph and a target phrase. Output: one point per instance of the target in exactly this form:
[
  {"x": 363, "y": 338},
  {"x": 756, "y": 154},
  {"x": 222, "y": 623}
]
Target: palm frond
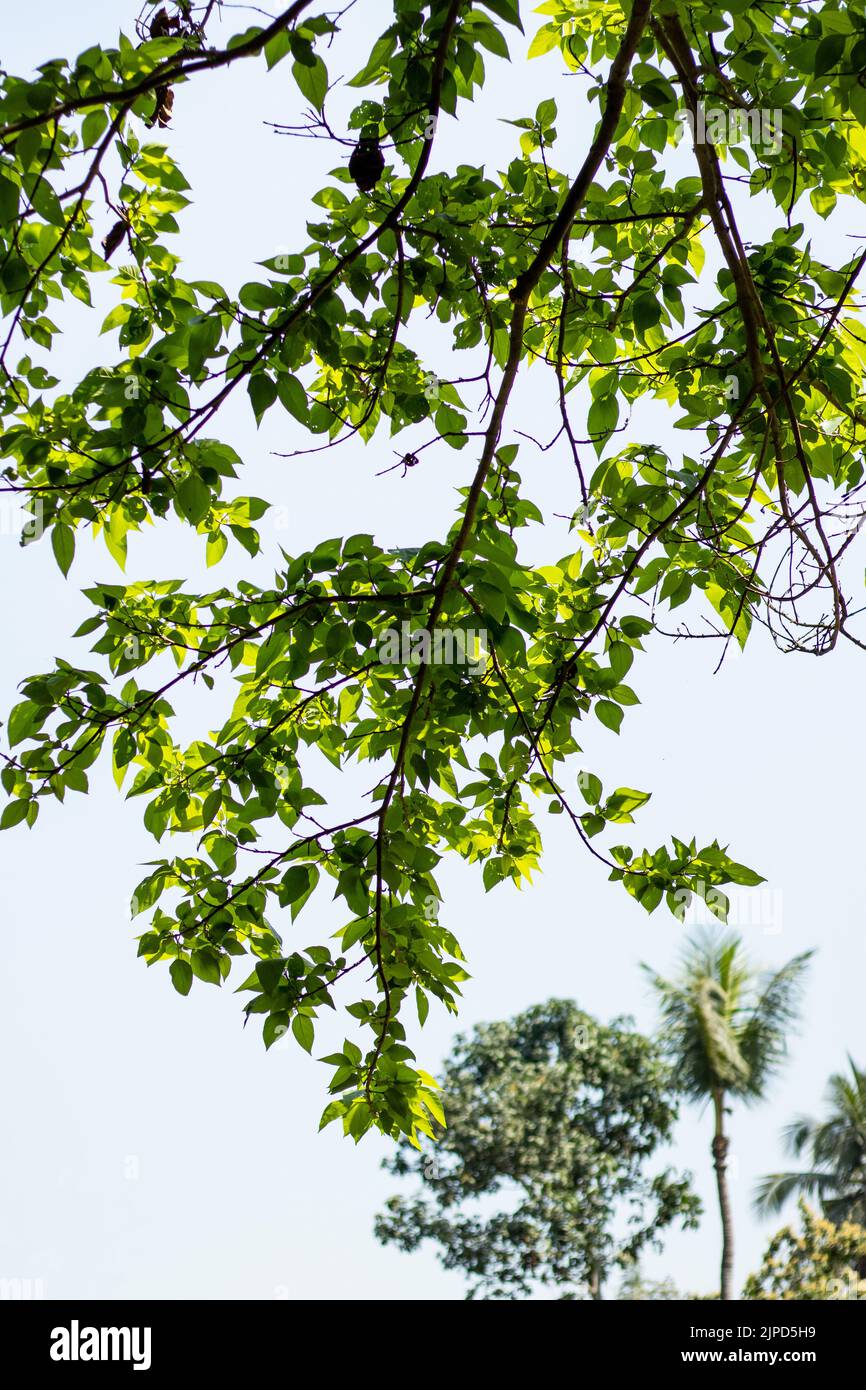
[
  {"x": 723, "y": 1023},
  {"x": 837, "y": 1149},
  {"x": 764, "y": 1036},
  {"x": 798, "y": 1134},
  {"x": 773, "y": 1191}
]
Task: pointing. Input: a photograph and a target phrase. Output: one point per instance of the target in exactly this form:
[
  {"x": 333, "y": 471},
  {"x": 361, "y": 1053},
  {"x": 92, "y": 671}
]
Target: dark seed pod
[
  {"x": 114, "y": 238},
  {"x": 367, "y": 163},
  {"x": 160, "y": 25},
  {"x": 164, "y": 105}
]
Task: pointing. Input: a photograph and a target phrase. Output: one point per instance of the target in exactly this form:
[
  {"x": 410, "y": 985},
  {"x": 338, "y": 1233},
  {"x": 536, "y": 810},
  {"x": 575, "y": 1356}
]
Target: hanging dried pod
[
  {"x": 114, "y": 238},
  {"x": 367, "y": 163}
]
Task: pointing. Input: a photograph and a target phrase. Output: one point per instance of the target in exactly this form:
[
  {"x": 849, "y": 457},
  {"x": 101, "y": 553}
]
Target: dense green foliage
[
  {"x": 635, "y": 1289},
  {"x": 824, "y": 1261},
  {"x": 596, "y": 275},
  {"x": 541, "y": 1175}
]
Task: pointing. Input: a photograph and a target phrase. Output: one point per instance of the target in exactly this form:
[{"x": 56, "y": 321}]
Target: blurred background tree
[
  {"x": 821, "y": 1263},
  {"x": 836, "y": 1149},
  {"x": 725, "y": 1026},
  {"x": 636, "y": 1288},
  {"x": 543, "y": 1174}
]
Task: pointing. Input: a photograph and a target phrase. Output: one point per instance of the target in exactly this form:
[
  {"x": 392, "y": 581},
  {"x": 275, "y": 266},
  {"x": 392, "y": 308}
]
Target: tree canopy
[
  {"x": 627, "y": 278},
  {"x": 543, "y": 1175},
  {"x": 824, "y": 1261}
]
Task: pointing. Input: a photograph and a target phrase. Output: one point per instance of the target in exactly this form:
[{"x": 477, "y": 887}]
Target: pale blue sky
[{"x": 151, "y": 1147}]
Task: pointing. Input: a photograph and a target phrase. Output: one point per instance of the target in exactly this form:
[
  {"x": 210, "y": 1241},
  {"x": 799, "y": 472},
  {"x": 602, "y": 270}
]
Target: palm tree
[
  {"x": 836, "y": 1149},
  {"x": 725, "y": 1026}
]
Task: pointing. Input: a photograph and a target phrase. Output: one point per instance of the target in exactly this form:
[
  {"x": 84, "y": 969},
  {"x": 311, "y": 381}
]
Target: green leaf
[
  {"x": 302, "y": 1027},
  {"x": 545, "y": 113},
  {"x": 509, "y": 10},
  {"x": 181, "y": 975},
  {"x": 63, "y": 545},
  {"x": 378, "y": 60},
  {"x": 193, "y": 500},
  {"x": 828, "y": 53},
  {"x": 590, "y": 787},
  {"x": 739, "y": 873},
  {"x": 93, "y": 127},
  {"x": 277, "y": 48},
  {"x": 13, "y": 813},
  {"x": 293, "y": 396},
  {"x": 602, "y": 420},
  {"x": 9, "y": 193},
  {"x": 269, "y": 973},
  {"x": 275, "y": 1028},
  {"x": 205, "y": 966},
  {"x": 23, "y": 719},
  {"x": 422, "y": 1003},
  {"x": 646, "y": 312},
  {"x": 262, "y": 392},
  {"x": 548, "y": 37},
  {"x": 216, "y": 548},
  {"x": 295, "y": 882},
  {"x": 313, "y": 81},
  {"x": 622, "y": 802},
  {"x": 334, "y": 1110},
  {"x": 609, "y": 714},
  {"x": 621, "y": 656}
]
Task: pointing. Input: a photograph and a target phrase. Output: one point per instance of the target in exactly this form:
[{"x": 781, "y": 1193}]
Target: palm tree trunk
[{"x": 720, "y": 1162}]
